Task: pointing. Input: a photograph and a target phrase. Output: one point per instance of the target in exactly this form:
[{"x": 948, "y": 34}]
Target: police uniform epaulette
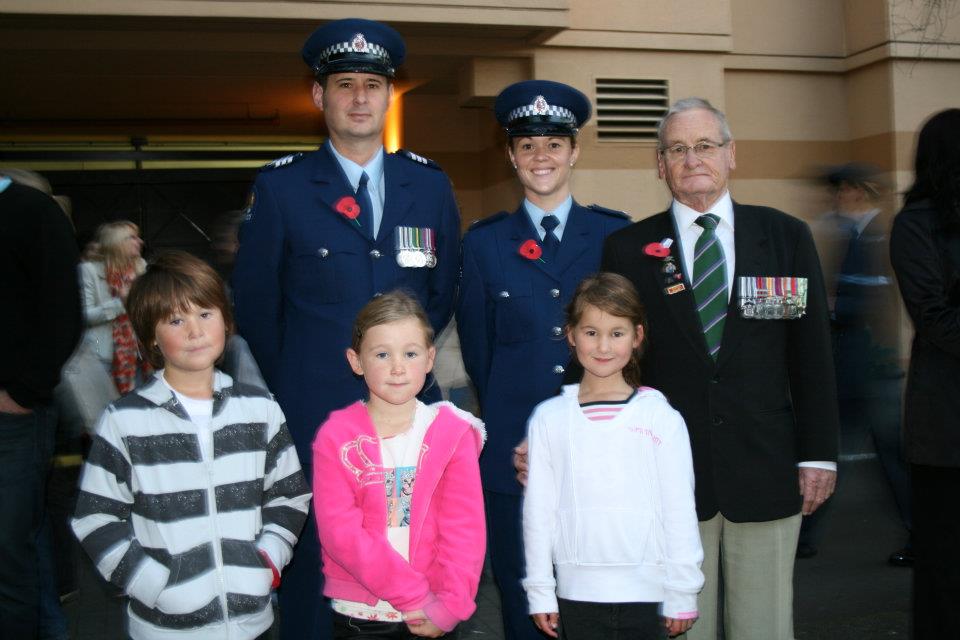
[
  {"x": 482, "y": 222},
  {"x": 282, "y": 162},
  {"x": 609, "y": 212},
  {"x": 416, "y": 157}
]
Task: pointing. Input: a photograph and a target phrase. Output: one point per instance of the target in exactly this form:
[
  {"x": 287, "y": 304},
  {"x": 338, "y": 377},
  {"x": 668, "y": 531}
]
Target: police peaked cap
[
  {"x": 541, "y": 108},
  {"x": 354, "y": 44}
]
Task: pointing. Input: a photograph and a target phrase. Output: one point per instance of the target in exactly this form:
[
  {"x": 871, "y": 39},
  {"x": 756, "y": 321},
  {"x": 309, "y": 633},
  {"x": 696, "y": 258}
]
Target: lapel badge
[
  {"x": 669, "y": 271},
  {"x": 531, "y": 250}
]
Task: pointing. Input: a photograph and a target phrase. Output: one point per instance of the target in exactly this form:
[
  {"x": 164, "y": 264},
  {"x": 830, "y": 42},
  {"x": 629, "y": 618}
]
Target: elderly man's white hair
[{"x": 688, "y": 104}]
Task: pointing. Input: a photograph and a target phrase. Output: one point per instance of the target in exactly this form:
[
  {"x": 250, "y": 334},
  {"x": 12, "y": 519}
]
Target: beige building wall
[{"x": 805, "y": 84}]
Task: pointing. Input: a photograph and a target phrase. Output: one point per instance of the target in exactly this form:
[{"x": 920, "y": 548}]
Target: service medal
[{"x": 416, "y": 247}]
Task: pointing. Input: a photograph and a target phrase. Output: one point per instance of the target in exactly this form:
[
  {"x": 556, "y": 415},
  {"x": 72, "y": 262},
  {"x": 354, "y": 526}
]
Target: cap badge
[
  {"x": 540, "y": 105},
  {"x": 359, "y": 43}
]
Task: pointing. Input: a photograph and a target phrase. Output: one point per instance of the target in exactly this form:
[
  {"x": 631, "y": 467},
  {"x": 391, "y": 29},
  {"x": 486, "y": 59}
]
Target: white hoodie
[{"x": 611, "y": 505}]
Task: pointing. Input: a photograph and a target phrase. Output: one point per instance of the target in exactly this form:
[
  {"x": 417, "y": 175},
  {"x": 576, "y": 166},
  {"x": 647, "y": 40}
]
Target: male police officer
[{"x": 327, "y": 231}]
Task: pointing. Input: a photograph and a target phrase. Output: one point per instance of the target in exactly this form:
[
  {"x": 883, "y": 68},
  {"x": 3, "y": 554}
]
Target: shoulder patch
[
  {"x": 609, "y": 212},
  {"x": 416, "y": 157},
  {"x": 282, "y": 162},
  {"x": 482, "y": 222}
]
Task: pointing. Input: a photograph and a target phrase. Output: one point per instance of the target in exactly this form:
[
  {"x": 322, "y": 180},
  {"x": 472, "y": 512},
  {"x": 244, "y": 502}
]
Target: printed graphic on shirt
[{"x": 399, "y": 487}]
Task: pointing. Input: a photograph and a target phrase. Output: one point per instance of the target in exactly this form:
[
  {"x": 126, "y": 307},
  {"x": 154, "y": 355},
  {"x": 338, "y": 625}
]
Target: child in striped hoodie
[{"x": 192, "y": 496}]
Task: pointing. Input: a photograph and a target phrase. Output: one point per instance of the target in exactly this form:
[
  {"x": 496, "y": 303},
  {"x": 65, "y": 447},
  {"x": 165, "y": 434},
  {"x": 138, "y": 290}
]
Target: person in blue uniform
[
  {"x": 325, "y": 232},
  {"x": 519, "y": 272}
]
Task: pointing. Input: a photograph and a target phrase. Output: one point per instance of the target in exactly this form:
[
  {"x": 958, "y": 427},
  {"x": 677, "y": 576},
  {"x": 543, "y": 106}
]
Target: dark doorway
[{"x": 175, "y": 209}]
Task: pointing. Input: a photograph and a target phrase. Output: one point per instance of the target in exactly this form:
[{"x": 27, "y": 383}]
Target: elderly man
[{"x": 739, "y": 341}]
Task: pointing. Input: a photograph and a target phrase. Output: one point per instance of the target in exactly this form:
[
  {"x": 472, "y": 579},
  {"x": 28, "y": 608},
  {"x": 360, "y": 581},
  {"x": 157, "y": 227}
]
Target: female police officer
[{"x": 519, "y": 271}]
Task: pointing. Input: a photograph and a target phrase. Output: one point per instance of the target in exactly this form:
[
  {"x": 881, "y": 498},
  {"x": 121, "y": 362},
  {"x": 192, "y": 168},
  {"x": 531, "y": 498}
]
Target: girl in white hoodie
[{"x": 609, "y": 522}]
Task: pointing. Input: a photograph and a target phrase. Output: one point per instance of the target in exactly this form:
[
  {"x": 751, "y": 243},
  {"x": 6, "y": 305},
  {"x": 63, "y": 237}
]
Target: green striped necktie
[{"x": 710, "y": 282}]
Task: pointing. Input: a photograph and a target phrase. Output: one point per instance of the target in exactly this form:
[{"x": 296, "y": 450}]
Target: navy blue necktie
[
  {"x": 366, "y": 206},
  {"x": 551, "y": 244}
]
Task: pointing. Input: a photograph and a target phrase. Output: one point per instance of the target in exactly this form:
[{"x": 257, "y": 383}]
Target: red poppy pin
[
  {"x": 658, "y": 249},
  {"x": 531, "y": 251},
  {"x": 348, "y": 208}
]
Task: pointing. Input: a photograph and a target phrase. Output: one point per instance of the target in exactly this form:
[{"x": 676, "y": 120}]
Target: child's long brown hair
[{"x": 614, "y": 295}]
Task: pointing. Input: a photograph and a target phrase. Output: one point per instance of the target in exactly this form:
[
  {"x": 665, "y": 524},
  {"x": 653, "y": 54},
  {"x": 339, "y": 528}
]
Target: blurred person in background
[
  {"x": 925, "y": 253},
  {"x": 863, "y": 305},
  {"x": 111, "y": 264}
]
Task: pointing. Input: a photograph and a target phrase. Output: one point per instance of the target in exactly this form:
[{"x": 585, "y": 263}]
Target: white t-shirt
[{"x": 200, "y": 411}]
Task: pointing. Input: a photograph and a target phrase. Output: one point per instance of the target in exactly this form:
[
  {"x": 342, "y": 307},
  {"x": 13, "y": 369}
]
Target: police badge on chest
[{"x": 416, "y": 247}]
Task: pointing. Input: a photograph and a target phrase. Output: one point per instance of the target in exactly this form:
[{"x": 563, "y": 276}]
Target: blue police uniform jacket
[
  {"x": 510, "y": 317},
  {"x": 304, "y": 270}
]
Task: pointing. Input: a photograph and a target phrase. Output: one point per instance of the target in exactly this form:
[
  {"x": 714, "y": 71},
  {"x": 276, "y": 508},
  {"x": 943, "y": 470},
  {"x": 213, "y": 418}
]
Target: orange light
[{"x": 393, "y": 127}]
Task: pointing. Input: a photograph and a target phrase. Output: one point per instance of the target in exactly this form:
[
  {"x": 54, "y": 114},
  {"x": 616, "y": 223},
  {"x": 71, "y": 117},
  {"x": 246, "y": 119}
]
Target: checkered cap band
[
  {"x": 347, "y": 47},
  {"x": 530, "y": 110}
]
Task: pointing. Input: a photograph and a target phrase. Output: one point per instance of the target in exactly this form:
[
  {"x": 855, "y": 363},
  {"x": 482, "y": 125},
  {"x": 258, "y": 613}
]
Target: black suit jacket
[
  {"x": 769, "y": 401},
  {"x": 926, "y": 259}
]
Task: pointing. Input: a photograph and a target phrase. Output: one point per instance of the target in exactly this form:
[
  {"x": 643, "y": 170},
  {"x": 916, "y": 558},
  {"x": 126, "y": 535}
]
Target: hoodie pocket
[{"x": 606, "y": 536}]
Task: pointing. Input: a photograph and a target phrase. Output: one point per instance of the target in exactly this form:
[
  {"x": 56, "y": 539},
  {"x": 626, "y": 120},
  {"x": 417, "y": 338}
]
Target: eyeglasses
[{"x": 703, "y": 150}]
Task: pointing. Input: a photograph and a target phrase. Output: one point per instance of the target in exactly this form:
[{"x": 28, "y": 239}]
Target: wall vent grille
[{"x": 630, "y": 109}]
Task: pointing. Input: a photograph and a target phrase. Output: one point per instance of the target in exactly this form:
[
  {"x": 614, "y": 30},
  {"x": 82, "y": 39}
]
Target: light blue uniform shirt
[
  {"x": 536, "y": 215},
  {"x": 375, "y": 184}
]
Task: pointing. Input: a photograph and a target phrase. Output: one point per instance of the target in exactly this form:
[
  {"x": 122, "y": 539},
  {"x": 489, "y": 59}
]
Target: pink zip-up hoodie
[{"x": 447, "y": 526}]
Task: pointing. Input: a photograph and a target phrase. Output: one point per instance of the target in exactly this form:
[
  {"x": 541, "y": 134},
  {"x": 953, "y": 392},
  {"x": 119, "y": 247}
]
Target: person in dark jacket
[
  {"x": 39, "y": 328},
  {"x": 925, "y": 253}
]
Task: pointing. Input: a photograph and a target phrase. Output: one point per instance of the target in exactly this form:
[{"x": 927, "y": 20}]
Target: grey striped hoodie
[{"x": 181, "y": 534}]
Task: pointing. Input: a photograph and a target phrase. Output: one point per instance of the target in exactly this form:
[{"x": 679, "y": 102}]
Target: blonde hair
[
  {"x": 616, "y": 296},
  {"x": 390, "y": 307},
  {"x": 107, "y": 247}
]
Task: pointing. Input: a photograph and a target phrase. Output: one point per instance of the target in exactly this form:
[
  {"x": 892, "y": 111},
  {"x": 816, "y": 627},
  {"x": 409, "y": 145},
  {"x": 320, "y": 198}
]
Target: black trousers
[
  {"x": 610, "y": 621},
  {"x": 936, "y": 544},
  {"x": 347, "y": 627}
]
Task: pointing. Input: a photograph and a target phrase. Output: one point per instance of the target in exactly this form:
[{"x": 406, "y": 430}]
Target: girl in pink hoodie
[{"x": 397, "y": 491}]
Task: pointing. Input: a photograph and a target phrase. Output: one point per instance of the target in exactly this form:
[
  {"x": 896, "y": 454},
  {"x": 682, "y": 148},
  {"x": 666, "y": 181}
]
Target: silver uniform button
[
  {"x": 557, "y": 331},
  {"x": 375, "y": 253},
  {"x": 323, "y": 252},
  {"x": 558, "y": 370},
  {"x": 554, "y": 293},
  {"x": 504, "y": 294}
]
